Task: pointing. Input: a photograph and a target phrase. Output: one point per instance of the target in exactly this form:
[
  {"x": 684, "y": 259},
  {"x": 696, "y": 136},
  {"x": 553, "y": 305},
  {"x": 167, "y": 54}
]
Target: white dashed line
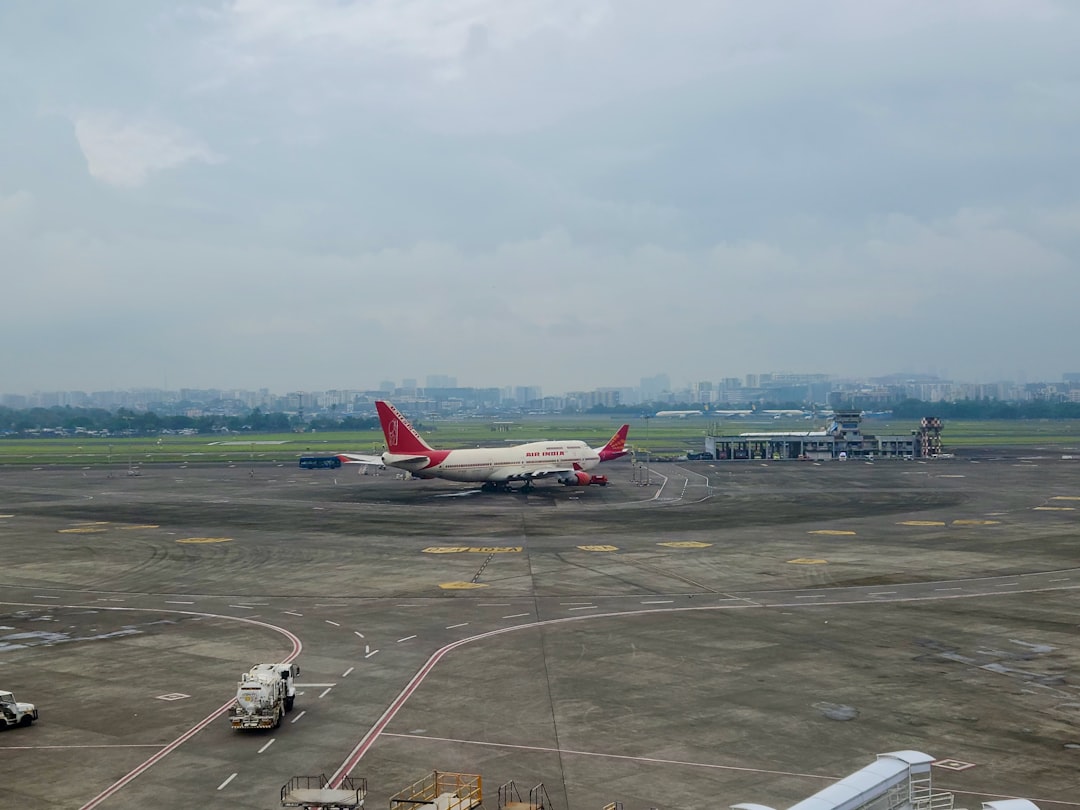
[
  {"x": 583, "y": 607},
  {"x": 1063, "y": 579},
  {"x": 516, "y": 615},
  {"x": 813, "y": 596},
  {"x": 948, "y": 589},
  {"x": 292, "y": 613},
  {"x": 881, "y": 593},
  {"x": 333, "y": 623},
  {"x": 325, "y": 692},
  {"x": 39, "y": 596},
  {"x": 453, "y": 626},
  {"x": 175, "y": 602},
  {"x": 368, "y": 655},
  {"x": 1006, "y": 584},
  {"x": 407, "y": 638},
  {"x": 271, "y": 742},
  {"x": 347, "y": 672},
  {"x": 659, "y": 602},
  {"x": 358, "y": 633},
  {"x": 224, "y": 784},
  {"x": 298, "y": 716}
]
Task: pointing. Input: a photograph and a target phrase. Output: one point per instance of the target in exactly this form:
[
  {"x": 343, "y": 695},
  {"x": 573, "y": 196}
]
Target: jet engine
[{"x": 578, "y": 479}]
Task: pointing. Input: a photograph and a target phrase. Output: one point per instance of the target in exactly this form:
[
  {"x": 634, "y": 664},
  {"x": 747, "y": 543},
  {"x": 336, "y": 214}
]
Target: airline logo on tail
[{"x": 616, "y": 446}]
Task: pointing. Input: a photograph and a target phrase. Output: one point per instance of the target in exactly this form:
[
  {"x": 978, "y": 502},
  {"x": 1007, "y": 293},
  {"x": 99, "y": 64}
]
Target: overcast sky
[{"x": 311, "y": 194}]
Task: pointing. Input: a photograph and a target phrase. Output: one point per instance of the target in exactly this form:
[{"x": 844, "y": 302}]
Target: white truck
[
  {"x": 263, "y": 695},
  {"x": 13, "y": 713}
]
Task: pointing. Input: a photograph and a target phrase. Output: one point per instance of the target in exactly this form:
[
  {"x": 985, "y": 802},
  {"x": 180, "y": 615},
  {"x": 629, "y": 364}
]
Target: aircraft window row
[{"x": 485, "y": 464}]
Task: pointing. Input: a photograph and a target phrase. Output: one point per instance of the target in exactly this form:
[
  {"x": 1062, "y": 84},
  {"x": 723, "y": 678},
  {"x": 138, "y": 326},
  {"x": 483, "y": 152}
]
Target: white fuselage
[{"x": 495, "y": 464}]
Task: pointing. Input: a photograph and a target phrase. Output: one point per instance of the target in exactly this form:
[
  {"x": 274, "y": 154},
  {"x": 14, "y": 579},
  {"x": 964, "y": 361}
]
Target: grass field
[{"x": 658, "y": 436}]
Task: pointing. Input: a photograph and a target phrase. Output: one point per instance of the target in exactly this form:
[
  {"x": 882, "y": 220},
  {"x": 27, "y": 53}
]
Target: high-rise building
[{"x": 653, "y": 387}]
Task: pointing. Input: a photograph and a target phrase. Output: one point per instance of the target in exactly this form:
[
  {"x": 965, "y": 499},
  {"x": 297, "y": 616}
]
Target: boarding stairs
[{"x": 510, "y": 798}]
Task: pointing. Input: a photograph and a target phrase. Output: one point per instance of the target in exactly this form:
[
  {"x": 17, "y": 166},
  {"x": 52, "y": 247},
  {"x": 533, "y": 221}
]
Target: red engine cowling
[{"x": 578, "y": 479}]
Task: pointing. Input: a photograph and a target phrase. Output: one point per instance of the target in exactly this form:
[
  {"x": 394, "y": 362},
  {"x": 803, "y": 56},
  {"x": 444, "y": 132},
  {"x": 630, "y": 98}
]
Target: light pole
[{"x": 648, "y": 477}]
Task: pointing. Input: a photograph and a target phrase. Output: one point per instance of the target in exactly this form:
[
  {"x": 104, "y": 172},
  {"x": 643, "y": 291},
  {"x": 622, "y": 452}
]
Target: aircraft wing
[{"x": 355, "y": 458}]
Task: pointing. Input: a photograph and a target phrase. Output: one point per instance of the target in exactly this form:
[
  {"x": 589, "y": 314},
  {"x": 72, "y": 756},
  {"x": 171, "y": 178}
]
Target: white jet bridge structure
[{"x": 900, "y": 780}]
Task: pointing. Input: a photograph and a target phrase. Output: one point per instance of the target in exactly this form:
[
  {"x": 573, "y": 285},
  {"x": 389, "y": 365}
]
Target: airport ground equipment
[
  {"x": 510, "y": 798},
  {"x": 899, "y": 780},
  {"x": 14, "y": 713},
  {"x": 440, "y": 790},
  {"x": 319, "y": 462},
  {"x": 263, "y": 695},
  {"x": 311, "y": 792}
]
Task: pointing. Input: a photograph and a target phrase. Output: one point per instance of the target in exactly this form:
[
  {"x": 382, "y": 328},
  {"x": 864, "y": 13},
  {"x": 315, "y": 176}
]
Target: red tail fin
[
  {"x": 401, "y": 438},
  {"x": 616, "y": 446}
]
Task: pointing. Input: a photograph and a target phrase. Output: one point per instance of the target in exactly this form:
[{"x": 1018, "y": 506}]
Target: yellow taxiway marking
[
  {"x": 599, "y": 548},
  {"x": 461, "y": 586},
  {"x": 921, "y": 523},
  {"x": 836, "y": 532},
  {"x": 1055, "y": 508},
  {"x": 684, "y": 544},
  {"x": 473, "y": 549},
  {"x": 204, "y": 540},
  {"x": 82, "y": 530},
  {"x": 144, "y": 526},
  {"x": 807, "y": 561},
  {"x": 1054, "y": 498},
  {"x": 975, "y": 522}
]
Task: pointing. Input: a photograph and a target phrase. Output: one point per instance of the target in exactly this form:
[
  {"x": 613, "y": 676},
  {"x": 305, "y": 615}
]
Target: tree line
[
  {"x": 125, "y": 421},
  {"x": 988, "y": 409}
]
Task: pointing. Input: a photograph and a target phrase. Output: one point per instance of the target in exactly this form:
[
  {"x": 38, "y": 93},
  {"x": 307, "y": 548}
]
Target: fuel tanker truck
[{"x": 263, "y": 695}]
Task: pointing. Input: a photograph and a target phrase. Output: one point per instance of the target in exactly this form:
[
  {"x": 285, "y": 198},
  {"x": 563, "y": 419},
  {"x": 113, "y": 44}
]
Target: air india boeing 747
[{"x": 567, "y": 462}]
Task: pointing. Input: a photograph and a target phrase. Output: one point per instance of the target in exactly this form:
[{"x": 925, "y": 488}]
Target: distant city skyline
[
  {"x": 771, "y": 386},
  {"x": 647, "y": 381}
]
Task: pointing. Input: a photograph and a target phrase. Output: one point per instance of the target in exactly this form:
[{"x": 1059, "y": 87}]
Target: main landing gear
[{"x": 504, "y": 486}]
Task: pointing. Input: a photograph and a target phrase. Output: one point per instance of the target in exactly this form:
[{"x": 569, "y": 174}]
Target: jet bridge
[{"x": 899, "y": 780}]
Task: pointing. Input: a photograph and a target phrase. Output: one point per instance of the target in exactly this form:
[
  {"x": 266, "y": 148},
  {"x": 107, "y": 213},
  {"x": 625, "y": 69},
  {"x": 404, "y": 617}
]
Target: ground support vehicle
[
  {"x": 263, "y": 695},
  {"x": 13, "y": 713},
  {"x": 440, "y": 791},
  {"x": 312, "y": 792}
]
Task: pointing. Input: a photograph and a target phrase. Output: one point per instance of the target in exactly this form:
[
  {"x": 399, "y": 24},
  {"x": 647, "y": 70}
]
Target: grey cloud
[
  {"x": 124, "y": 151},
  {"x": 353, "y": 192}
]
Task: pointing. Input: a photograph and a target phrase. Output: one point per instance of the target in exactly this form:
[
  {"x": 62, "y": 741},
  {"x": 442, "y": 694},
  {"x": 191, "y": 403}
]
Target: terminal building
[{"x": 842, "y": 439}]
